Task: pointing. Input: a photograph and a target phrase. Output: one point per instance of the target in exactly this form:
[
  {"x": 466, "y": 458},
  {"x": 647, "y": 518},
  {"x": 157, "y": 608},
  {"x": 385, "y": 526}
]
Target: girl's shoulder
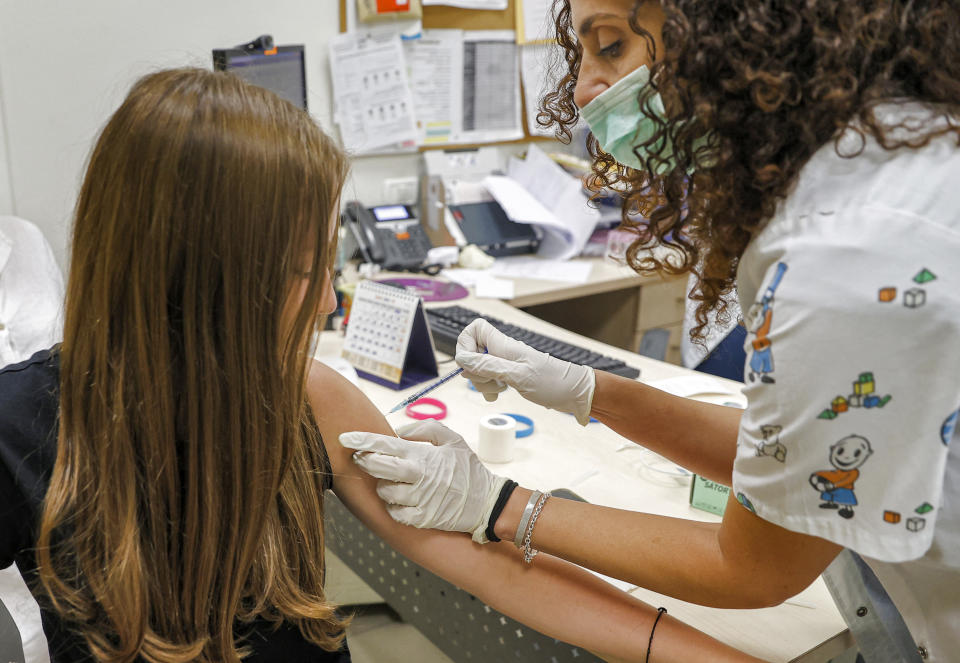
[{"x": 339, "y": 406}]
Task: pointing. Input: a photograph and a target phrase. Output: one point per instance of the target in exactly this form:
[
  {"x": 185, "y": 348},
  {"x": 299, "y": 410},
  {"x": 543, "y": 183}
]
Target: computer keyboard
[{"x": 447, "y": 322}]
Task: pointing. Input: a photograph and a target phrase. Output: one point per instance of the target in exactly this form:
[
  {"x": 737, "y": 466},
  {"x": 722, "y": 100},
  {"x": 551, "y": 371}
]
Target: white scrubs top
[{"x": 851, "y": 296}]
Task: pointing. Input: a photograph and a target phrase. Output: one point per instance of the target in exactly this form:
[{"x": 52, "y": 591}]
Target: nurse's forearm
[
  {"x": 669, "y": 556},
  {"x": 699, "y": 436},
  {"x": 686, "y": 559}
]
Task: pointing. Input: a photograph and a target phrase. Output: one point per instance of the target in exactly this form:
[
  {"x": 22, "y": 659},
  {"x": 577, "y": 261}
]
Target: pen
[{"x": 427, "y": 389}]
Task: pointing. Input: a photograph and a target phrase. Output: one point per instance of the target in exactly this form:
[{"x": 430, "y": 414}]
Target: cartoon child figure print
[
  {"x": 758, "y": 321},
  {"x": 836, "y": 485}
]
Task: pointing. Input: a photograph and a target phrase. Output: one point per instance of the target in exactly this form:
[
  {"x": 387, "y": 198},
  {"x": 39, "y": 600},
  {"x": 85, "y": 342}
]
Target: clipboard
[{"x": 388, "y": 339}]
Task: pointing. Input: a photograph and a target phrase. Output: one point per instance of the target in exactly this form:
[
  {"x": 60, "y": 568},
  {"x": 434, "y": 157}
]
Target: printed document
[
  {"x": 491, "y": 87},
  {"x": 535, "y": 21},
  {"x": 435, "y": 67},
  {"x": 372, "y": 102}
]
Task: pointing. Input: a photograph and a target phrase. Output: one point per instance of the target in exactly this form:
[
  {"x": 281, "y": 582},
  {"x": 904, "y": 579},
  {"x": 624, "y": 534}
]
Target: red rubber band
[{"x": 413, "y": 414}]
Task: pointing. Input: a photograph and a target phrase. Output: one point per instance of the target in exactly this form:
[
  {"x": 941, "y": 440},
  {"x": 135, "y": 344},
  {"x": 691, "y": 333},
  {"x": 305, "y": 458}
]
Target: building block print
[
  {"x": 863, "y": 396},
  {"x": 758, "y": 320},
  {"x": 924, "y": 276},
  {"x": 912, "y": 524},
  {"x": 864, "y": 384},
  {"x": 836, "y": 485},
  {"x": 916, "y": 524},
  {"x": 887, "y": 294},
  {"x": 914, "y": 297}
]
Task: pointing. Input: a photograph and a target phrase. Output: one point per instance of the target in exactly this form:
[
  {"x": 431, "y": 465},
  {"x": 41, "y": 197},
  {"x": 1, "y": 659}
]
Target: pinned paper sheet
[
  {"x": 535, "y": 21},
  {"x": 374, "y": 108},
  {"x": 491, "y": 108},
  {"x": 435, "y": 63}
]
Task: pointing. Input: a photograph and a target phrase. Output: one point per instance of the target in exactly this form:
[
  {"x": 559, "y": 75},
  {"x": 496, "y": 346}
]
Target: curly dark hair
[{"x": 753, "y": 89}]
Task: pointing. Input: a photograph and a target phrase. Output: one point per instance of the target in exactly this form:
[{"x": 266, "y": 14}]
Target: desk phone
[{"x": 389, "y": 235}]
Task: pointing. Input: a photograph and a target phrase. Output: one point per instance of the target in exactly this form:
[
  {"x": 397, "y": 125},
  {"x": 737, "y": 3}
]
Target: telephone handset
[{"x": 389, "y": 235}]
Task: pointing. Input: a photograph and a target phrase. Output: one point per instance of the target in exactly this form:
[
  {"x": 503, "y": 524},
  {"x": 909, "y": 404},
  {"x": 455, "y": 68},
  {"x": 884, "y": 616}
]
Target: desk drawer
[
  {"x": 673, "y": 353},
  {"x": 662, "y": 304}
]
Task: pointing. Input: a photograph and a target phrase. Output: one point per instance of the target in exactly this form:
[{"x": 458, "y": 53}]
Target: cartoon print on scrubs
[
  {"x": 946, "y": 430},
  {"x": 912, "y": 298},
  {"x": 758, "y": 319},
  {"x": 745, "y": 502},
  {"x": 836, "y": 485},
  {"x": 864, "y": 395},
  {"x": 912, "y": 524},
  {"x": 771, "y": 445},
  {"x": 916, "y": 524}
]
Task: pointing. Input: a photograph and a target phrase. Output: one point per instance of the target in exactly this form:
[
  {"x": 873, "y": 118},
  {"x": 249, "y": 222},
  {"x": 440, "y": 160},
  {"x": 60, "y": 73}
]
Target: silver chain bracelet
[{"x": 528, "y": 552}]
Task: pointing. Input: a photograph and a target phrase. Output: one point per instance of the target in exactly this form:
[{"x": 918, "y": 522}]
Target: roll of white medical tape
[{"x": 497, "y": 433}]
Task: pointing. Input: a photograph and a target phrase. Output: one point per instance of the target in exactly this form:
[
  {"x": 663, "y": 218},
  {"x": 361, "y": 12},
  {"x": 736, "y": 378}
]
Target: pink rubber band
[{"x": 413, "y": 414}]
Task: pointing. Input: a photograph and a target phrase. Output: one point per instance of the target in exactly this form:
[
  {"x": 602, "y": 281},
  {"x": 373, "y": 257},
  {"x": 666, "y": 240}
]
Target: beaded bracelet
[{"x": 528, "y": 552}]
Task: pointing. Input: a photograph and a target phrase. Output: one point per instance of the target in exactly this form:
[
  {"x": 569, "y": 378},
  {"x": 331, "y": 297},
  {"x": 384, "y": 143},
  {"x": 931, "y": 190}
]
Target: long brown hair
[
  {"x": 187, "y": 492},
  {"x": 753, "y": 88}
]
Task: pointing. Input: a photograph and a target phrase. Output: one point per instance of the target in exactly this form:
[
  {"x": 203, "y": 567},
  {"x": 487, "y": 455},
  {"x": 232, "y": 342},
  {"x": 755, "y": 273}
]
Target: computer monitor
[{"x": 279, "y": 69}]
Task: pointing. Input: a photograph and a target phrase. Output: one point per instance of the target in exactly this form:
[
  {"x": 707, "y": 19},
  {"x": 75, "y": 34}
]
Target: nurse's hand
[
  {"x": 539, "y": 378},
  {"x": 438, "y": 483}
]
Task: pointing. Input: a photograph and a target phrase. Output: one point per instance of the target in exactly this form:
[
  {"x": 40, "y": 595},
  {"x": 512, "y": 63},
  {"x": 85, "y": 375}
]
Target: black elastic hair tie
[
  {"x": 505, "y": 492},
  {"x": 660, "y": 612}
]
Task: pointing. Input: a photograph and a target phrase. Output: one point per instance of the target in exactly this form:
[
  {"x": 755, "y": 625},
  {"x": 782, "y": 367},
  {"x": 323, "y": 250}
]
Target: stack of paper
[{"x": 538, "y": 191}]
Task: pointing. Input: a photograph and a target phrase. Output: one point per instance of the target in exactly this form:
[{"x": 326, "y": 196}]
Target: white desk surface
[
  {"x": 590, "y": 461},
  {"x": 606, "y": 275}
]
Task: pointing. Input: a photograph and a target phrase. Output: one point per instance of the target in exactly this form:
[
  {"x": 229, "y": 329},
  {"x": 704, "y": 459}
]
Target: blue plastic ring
[{"x": 521, "y": 432}]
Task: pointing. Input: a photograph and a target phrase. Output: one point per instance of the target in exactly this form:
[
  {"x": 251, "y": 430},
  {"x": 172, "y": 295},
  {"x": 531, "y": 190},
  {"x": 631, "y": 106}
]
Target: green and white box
[{"x": 708, "y": 495}]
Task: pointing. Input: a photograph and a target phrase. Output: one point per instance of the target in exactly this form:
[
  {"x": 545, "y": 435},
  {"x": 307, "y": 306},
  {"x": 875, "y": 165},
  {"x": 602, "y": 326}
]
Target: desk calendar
[{"x": 388, "y": 340}]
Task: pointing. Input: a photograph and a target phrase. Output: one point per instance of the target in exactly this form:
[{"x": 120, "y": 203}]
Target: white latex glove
[
  {"x": 438, "y": 483},
  {"x": 540, "y": 378}
]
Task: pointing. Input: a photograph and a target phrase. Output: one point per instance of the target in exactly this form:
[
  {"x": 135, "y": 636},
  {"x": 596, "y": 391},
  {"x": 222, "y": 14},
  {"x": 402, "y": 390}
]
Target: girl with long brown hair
[
  {"x": 808, "y": 155},
  {"x": 162, "y": 472}
]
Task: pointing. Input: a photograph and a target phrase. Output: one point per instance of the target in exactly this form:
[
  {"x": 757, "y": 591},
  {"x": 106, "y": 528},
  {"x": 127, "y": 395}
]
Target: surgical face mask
[{"x": 615, "y": 118}]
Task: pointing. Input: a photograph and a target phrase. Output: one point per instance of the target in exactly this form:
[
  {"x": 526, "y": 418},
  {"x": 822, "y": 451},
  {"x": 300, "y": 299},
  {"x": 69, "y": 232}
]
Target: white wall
[
  {"x": 65, "y": 66},
  {"x": 6, "y": 194}
]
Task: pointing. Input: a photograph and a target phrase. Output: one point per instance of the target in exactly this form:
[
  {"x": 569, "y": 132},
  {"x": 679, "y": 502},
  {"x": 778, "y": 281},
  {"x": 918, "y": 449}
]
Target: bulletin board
[{"x": 443, "y": 16}]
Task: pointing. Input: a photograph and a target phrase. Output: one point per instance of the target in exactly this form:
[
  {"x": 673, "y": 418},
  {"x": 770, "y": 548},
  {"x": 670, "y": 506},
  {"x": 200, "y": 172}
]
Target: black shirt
[{"x": 29, "y": 403}]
